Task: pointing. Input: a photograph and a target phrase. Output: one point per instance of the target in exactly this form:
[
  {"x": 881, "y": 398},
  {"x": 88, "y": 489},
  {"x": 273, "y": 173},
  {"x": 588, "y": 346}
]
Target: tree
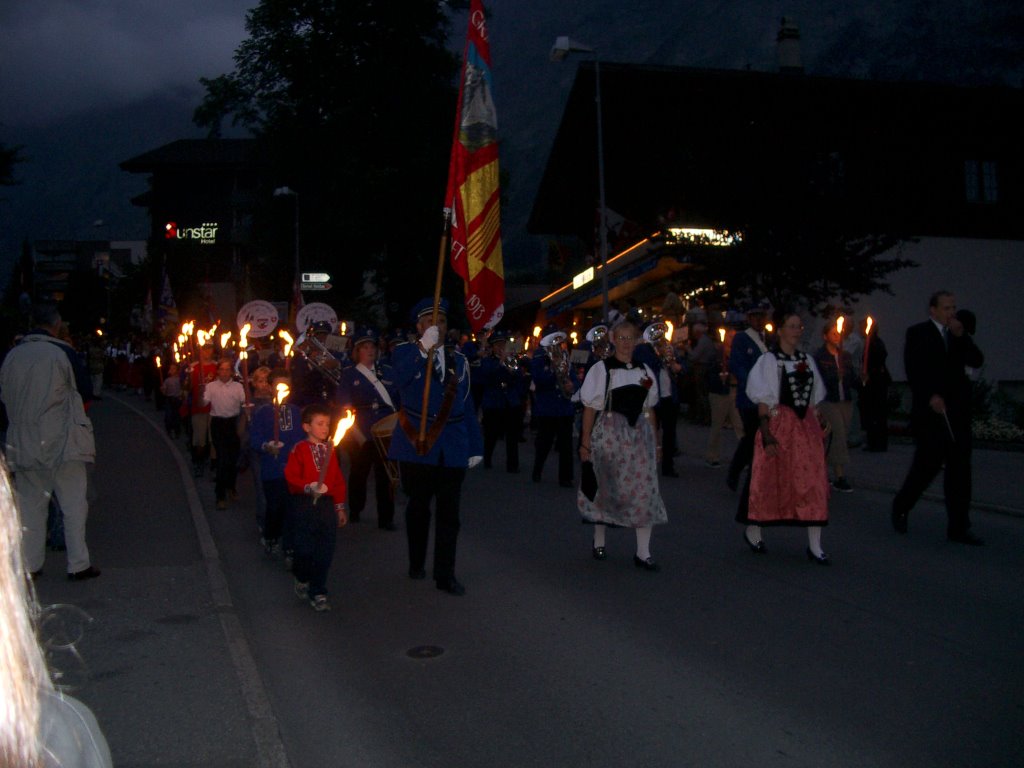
[{"x": 353, "y": 105}]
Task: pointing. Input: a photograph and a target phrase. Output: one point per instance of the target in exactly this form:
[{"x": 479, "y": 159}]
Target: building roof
[
  {"x": 733, "y": 148},
  {"x": 206, "y": 153}
]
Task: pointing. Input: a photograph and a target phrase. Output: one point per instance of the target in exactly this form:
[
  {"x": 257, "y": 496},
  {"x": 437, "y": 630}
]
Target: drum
[{"x": 382, "y": 432}]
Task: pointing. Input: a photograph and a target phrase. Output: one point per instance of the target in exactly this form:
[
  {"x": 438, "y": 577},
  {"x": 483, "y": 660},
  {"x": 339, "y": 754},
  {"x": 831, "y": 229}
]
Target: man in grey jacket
[{"x": 49, "y": 441}]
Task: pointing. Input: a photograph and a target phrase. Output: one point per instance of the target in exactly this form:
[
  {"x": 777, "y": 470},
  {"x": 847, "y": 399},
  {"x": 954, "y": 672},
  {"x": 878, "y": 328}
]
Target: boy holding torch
[{"x": 317, "y": 490}]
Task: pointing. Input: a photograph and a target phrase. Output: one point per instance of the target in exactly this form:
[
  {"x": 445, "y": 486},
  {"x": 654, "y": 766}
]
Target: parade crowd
[{"x": 426, "y": 405}]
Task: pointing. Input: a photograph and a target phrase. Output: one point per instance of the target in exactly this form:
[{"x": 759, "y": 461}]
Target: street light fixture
[
  {"x": 289, "y": 192},
  {"x": 559, "y": 51}
]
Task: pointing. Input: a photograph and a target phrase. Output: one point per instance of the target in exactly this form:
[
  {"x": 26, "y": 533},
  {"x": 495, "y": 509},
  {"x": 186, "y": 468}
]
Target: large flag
[{"x": 472, "y": 199}]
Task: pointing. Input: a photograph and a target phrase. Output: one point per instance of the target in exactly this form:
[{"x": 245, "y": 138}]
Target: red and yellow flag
[{"x": 473, "y": 196}]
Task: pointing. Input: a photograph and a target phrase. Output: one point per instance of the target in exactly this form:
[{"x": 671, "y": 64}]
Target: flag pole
[{"x": 421, "y": 440}]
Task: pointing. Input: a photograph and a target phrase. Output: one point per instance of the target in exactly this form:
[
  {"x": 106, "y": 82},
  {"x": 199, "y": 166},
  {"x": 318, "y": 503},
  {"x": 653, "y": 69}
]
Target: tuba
[
  {"x": 600, "y": 341},
  {"x": 552, "y": 345},
  {"x": 659, "y": 334},
  {"x": 318, "y": 356}
]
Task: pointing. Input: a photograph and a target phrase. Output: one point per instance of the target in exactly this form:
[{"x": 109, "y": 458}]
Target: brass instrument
[
  {"x": 659, "y": 334},
  {"x": 552, "y": 345},
  {"x": 600, "y": 341},
  {"x": 318, "y": 356},
  {"x": 511, "y": 362}
]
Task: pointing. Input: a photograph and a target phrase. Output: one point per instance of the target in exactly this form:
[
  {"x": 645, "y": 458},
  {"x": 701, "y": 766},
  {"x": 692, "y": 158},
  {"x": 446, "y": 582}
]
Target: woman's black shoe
[
  {"x": 757, "y": 549},
  {"x": 600, "y": 553},
  {"x": 823, "y": 560},
  {"x": 647, "y": 565}
]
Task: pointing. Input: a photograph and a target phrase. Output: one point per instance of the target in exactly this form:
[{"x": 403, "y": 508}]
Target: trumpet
[{"x": 319, "y": 356}]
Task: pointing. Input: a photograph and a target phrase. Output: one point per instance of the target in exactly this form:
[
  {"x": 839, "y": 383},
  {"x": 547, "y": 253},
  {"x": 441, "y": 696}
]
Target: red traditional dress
[{"x": 791, "y": 487}]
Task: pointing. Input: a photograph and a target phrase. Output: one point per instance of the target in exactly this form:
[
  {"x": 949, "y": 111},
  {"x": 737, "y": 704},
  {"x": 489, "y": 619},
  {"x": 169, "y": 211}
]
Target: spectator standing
[
  {"x": 49, "y": 441},
  {"x": 841, "y": 378}
]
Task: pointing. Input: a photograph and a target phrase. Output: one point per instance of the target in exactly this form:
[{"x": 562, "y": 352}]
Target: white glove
[
  {"x": 474, "y": 460},
  {"x": 429, "y": 338},
  {"x": 315, "y": 489}
]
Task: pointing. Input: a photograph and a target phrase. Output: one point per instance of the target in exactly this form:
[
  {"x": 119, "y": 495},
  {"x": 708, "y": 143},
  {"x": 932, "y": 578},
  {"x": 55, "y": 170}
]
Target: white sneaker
[{"x": 320, "y": 603}]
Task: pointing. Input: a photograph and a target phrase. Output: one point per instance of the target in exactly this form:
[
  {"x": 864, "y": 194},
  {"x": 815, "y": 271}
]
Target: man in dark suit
[{"x": 934, "y": 355}]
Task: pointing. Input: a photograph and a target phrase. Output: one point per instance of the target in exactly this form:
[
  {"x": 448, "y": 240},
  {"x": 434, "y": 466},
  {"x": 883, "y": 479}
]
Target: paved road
[{"x": 905, "y": 653}]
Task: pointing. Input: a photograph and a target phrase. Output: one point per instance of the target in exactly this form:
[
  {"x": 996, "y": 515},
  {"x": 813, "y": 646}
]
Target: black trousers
[
  {"x": 668, "y": 414},
  {"x": 316, "y": 535},
  {"x": 933, "y": 449},
  {"x": 501, "y": 423},
  {"x": 224, "y": 435},
  {"x": 742, "y": 459},
  {"x": 874, "y": 406},
  {"x": 555, "y": 430},
  {"x": 422, "y": 483},
  {"x": 363, "y": 459}
]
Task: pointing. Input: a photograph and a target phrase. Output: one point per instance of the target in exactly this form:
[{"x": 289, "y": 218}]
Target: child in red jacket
[{"x": 318, "y": 509}]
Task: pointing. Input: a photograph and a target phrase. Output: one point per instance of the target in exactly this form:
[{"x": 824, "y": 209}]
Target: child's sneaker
[
  {"x": 302, "y": 589},
  {"x": 320, "y": 603}
]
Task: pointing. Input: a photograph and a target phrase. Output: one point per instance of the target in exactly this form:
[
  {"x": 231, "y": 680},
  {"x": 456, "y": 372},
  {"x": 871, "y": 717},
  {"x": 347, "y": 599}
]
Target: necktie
[{"x": 437, "y": 366}]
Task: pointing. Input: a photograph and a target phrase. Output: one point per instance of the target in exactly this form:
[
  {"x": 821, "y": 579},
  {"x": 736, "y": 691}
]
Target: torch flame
[
  {"x": 201, "y": 337},
  {"x": 177, "y": 357},
  {"x": 840, "y": 321},
  {"x": 536, "y": 331},
  {"x": 282, "y": 392},
  {"x": 243, "y": 335},
  {"x": 867, "y": 328},
  {"x": 158, "y": 361},
  {"x": 344, "y": 327},
  {"x": 343, "y": 425},
  {"x": 526, "y": 343},
  {"x": 768, "y": 327},
  {"x": 721, "y": 335},
  {"x": 670, "y": 331},
  {"x": 288, "y": 341},
  {"x": 224, "y": 339},
  {"x": 573, "y": 336}
]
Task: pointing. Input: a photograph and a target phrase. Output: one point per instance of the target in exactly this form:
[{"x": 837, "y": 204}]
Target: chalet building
[
  {"x": 201, "y": 200},
  {"x": 694, "y": 158}
]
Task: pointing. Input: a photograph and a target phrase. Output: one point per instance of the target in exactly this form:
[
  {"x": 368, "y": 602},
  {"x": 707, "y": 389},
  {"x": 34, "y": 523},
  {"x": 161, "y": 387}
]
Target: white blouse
[
  {"x": 592, "y": 392},
  {"x": 764, "y": 379}
]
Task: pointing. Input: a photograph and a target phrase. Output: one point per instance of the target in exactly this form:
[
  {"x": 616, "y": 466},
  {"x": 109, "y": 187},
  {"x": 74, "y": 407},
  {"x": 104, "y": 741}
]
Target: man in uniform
[
  {"x": 434, "y": 467},
  {"x": 553, "y": 408},
  {"x": 311, "y": 384},
  {"x": 502, "y": 402},
  {"x": 368, "y": 388}
]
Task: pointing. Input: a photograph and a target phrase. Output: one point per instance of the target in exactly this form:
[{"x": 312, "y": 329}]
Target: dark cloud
[{"x": 60, "y": 57}]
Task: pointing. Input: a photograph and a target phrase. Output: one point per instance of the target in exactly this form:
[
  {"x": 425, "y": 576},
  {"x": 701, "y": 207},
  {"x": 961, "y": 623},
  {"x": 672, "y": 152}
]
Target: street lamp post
[
  {"x": 559, "y": 51},
  {"x": 289, "y": 192}
]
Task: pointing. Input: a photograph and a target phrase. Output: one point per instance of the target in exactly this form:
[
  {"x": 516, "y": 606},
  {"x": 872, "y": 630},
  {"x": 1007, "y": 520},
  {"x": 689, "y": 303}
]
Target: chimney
[{"x": 788, "y": 43}]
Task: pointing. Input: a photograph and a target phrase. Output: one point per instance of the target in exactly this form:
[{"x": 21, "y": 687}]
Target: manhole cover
[{"x": 424, "y": 652}]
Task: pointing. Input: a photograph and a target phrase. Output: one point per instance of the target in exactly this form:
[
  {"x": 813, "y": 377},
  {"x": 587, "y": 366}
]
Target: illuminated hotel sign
[
  {"x": 205, "y": 233},
  {"x": 583, "y": 278},
  {"x": 695, "y": 236}
]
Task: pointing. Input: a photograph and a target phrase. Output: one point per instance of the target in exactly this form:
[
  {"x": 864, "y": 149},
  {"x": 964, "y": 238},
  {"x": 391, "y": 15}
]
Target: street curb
[{"x": 270, "y": 751}]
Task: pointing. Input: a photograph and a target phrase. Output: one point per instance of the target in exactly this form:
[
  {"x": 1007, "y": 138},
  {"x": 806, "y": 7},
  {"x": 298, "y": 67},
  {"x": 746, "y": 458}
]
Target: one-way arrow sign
[{"x": 315, "y": 277}]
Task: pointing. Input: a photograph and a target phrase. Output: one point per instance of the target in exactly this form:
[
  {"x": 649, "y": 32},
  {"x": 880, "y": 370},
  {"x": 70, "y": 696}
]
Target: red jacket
[{"x": 301, "y": 470}]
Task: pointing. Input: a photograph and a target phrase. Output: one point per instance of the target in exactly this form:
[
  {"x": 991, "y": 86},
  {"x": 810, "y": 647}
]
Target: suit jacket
[
  {"x": 460, "y": 438},
  {"x": 933, "y": 368}
]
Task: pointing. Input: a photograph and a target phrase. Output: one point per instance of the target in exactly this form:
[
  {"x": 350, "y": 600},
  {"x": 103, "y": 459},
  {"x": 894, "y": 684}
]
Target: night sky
[{"x": 85, "y": 84}]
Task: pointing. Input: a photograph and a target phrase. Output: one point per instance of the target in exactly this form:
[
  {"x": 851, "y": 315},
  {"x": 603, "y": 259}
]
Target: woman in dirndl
[
  {"x": 789, "y": 479},
  {"x": 618, "y": 437}
]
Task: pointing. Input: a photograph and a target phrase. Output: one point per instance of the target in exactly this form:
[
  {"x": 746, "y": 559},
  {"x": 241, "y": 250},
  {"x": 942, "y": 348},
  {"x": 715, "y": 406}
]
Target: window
[{"x": 981, "y": 181}]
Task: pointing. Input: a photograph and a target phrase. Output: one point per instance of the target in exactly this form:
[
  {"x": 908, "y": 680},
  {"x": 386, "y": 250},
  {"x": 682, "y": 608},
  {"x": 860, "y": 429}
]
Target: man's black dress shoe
[
  {"x": 88, "y": 573},
  {"x": 389, "y": 526},
  {"x": 452, "y": 587},
  {"x": 818, "y": 560},
  {"x": 600, "y": 553},
  {"x": 758, "y": 548},
  {"x": 647, "y": 565},
  {"x": 417, "y": 573},
  {"x": 566, "y": 484},
  {"x": 899, "y": 521},
  {"x": 966, "y": 538}
]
